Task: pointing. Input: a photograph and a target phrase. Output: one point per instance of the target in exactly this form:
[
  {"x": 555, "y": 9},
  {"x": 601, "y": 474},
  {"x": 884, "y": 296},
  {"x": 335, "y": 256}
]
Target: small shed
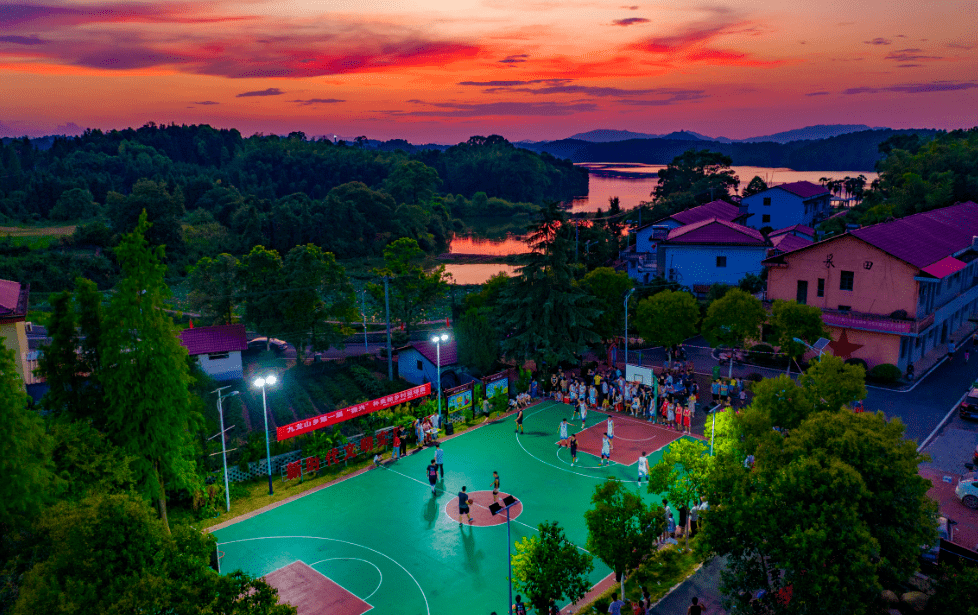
[
  {"x": 416, "y": 363},
  {"x": 217, "y": 349}
]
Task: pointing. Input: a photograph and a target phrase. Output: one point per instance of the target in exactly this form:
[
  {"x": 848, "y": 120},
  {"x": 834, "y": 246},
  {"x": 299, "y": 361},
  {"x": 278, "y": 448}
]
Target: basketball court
[{"x": 381, "y": 543}]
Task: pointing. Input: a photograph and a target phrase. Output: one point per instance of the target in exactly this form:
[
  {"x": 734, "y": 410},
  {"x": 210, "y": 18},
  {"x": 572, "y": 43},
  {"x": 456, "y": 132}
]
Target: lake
[
  {"x": 632, "y": 183},
  {"x": 478, "y": 273}
]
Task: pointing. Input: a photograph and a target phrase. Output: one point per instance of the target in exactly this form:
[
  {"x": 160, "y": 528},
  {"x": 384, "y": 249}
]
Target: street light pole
[
  {"x": 263, "y": 382},
  {"x": 628, "y": 296},
  {"x": 438, "y": 339},
  {"x": 224, "y": 450},
  {"x": 363, "y": 299}
]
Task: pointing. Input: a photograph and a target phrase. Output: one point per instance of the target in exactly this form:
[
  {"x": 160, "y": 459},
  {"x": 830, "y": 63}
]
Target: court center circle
[{"x": 479, "y": 509}]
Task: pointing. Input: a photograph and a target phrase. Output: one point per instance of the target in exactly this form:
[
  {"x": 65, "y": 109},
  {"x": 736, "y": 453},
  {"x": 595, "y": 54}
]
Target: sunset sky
[{"x": 440, "y": 71}]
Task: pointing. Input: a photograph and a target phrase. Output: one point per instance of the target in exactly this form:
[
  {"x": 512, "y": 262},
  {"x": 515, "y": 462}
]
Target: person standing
[
  {"x": 687, "y": 418},
  {"x": 951, "y": 348},
  {"x": 403, "y": 447},
  {"x": 643, "y": 468},
  {"x": 432, "y": 475},
  {"x": 615, "y": 607},
  {"x": 694, "y": 518},
  {"x": 695, "y": 608},
  {"x": 463, "y": 506},
  {"x": 552, "y": 608},
  {"x": 573, "y": 448},
  {"x": 563, "y": 433},
  {"x": 605, "y": 450},
  {"x": 583, "y": 414},
  {"x": 519, "y": 608},
  {"x": 668, "y": 515},
  {"x": 440, "y": 459},
  {"x": 519, "y": 421},
  {"x": 495, "y": 486},
  {"x": 610, "y": 430},
  {"x": 397, "y": 443}
]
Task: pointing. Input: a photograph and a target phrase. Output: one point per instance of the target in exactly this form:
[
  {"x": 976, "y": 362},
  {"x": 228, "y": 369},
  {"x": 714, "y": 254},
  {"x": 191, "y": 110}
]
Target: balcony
[{"x": 848, "y": 319}]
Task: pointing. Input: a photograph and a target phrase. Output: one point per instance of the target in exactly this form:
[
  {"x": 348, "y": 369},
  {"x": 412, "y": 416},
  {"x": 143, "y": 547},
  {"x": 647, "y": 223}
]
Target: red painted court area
[
  {"x": 479, "y": 509},
  {"x": 311, "y": 593},
  {"x": 632, "y": 437}
]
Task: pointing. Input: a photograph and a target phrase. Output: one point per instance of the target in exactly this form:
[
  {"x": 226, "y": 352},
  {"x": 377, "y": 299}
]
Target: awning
[{"x": 944, "y": 267}]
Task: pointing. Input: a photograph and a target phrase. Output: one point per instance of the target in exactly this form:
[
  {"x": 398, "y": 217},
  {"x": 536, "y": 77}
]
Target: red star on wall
[{"x": 842, "y": 347}]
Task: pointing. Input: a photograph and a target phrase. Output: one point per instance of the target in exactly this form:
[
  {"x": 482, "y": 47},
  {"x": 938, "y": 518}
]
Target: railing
[{"x": 873, "y": 322}]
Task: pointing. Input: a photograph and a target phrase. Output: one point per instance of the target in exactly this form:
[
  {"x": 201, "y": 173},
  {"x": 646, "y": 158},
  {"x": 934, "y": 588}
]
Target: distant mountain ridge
[{"x": 818, "y": 131}]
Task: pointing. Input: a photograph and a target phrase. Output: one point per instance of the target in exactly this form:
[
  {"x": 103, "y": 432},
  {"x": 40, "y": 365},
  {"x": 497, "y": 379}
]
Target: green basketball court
[{"x": 381, "y": 541}]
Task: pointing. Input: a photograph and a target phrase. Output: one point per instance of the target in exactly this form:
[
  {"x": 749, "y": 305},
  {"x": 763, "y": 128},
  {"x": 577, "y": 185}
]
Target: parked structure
[
  {"x": 785, "y": 205},
  {"x": 218, "y": 349},
  {"x": 14, "y": 298},
  {"x": 891, "y": 292},
  {"x": 416, "y": 363}
]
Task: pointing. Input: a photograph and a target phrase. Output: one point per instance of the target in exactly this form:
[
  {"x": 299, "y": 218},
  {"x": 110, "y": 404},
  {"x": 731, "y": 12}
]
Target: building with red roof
[
  {"x": 418, "y": 362},
  {"x": 217, "y": 349},
  {"x": 14, "y": 298},
  {"x": 797, "y": 203},
  {"x": 891, "y": 292}
]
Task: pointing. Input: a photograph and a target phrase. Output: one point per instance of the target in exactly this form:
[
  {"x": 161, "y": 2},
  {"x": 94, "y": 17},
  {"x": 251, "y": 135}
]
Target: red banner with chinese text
[{"x": 351, "y": 412}]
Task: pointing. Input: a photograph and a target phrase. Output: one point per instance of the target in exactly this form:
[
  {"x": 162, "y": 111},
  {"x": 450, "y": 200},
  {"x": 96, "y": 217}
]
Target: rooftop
[
  {"x": 794, "y": 228},
  {"x": 13, "y": 298},
  {"x": 449, "y": 351},
  {"x": 804, "y": 189},
  {"x": 207, "y": 340},
  {"x": 716, "y": 231},
  {"x": 714, "y": 209},
  {"x": 788, "y": 242},
  {"x": 925, "y": 238}
]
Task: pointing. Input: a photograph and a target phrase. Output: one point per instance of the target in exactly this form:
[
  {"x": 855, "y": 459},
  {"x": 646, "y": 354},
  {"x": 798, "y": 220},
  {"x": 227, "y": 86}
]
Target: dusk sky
[{"x": 440, "y": 71}]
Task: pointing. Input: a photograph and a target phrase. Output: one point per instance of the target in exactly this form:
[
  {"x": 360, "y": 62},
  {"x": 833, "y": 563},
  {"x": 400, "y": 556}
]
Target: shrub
[
  {"x": 859, "y": 362},
  {"x": 885, "y": 372},
  {"x": 755, "y": 377}
]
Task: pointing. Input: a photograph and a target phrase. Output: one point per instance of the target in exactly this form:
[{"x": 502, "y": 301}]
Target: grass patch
[{"x": 659, "y": 573}]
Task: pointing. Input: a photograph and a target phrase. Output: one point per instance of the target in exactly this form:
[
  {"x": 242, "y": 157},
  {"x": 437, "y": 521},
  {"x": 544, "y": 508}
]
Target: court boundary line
[
  {"x": 427, "y": 606},
  {"x": 355, "y": 559}
]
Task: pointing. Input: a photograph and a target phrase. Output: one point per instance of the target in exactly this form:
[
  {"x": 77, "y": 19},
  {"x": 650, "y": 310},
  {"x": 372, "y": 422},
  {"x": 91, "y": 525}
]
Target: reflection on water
[
  {"x": 478, "y": 273},
  {"x": 468, "y": 244}
]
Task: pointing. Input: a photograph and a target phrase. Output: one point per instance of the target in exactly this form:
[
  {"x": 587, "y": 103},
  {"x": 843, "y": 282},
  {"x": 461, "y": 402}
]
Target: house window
[
  {"x": 420, "y": 366},
  {"x": 767, "y": 201},
  {"x": 821, "y": 287},
  {"x": 766, "y": 218},
  {"x": 846, "y": 280},
  {"x": 845, "y": 308},
  {"x": 721, "y": 261},
  {"x": 801, "y": 294},
  {"x": 217, "y": 356}
]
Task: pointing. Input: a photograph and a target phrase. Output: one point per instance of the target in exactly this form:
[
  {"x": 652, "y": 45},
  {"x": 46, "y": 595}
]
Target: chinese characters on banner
[
  {"x": 333, "y": 456},
  {"x": 345, "y": 414}
]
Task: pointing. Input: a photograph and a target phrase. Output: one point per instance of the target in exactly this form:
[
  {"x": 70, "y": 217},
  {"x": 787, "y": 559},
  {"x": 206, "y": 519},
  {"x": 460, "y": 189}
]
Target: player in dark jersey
[{"x": 432, "y": 475}]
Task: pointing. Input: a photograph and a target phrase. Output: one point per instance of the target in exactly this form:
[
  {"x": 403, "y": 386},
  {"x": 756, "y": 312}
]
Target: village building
[
  {"x": 785, "y": 205},
  {"x": 217, "y": 350}
]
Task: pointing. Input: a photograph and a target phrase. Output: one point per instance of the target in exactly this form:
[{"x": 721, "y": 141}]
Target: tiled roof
[
  {"x": 805, "y": 190},
  {"x": 449, "y": 353},
  {"x": 944, "y": 267},
  {"x": 789, "y": 242},
  {"x": 13, "y": 298},
  {"x": 721, "y": 210},
  {"x": 714, "y": 231},
  {"x": 799, "y": 228},
  {"x": 222, "y": 338},
  {"x": 925, "y": 238}
]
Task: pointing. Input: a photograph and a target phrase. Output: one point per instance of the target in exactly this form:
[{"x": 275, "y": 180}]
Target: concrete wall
[
  {"x": 222, "y": 369},
  {"x": 887, "y": 286},
  {"x": 698, "y": 264},
  {"x": 407, "y": 367},
  {"x": 14, "y": 336},
  {"x": 785, "y": 209}
]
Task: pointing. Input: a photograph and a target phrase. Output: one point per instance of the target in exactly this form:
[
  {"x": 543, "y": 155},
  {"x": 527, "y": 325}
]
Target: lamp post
[
  {"x": 438, "y": 339},
  {"x": 224, "y": 451},
  {"x": 263, "y": 382},
  {"x": 628, "y": 296},
  {"x": 495, "y": 508}
]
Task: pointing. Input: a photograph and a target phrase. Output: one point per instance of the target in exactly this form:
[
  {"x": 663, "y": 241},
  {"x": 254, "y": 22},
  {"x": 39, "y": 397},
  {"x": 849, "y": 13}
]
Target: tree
[
  {"x": 733, "y": 319},
  {"x": 681, "y": 473},
  {"x": 695, "y": 177},
  {"x": 667, "y": 318},
  {"x": 832, "y": 384},
  {"x": 544, "y": 314},
  {"x": 608, "y": 288},
  {"x": 162, "y": 208},
  {"x": 86, "y": 462},
  {"x": 316, "y": 291},
  {"x": 107, "y": 554},
  {"x": 755, "y": 186},
  {"x": 260, "y": 272},
  {"x": 792, "y": 320},
  {"x": 148, "y": 410},
  {"x": 214, "y": 288},
  {"x": 75, "y": 204},
  {"x": 412, "y": 289},
  {"x": 835, "y": 511},
  {"x": 550, "y": 566},
  {"x": 477, "y": 341},
  {"x": 622, "y": 529},
  {"x": 412, "y": 182},
  {"x": 25, "y": 450}
]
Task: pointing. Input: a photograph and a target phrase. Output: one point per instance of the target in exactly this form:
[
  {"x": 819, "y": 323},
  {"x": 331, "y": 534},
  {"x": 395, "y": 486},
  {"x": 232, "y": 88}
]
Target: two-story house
[
  {"x": 712, "y": 251},
  {"x": 785, "y": 205},
  {"x": 891, "y": 292}
]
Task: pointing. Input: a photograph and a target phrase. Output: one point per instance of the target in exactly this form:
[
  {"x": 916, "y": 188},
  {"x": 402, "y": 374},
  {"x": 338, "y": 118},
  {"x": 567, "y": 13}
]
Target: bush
[
  {"x": 860, "y": 362},
  {"x": 755, "y": 377},
  {"x": 885, "y": 372}
]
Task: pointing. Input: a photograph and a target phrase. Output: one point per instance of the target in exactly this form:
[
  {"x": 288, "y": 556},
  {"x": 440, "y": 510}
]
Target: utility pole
[
  {"x": 387, "y": 304},
  {"x": 577, "y": 240},
  {"x": 363, "y": 297}
]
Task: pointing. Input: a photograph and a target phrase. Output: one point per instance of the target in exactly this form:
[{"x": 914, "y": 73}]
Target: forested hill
[
  {"x": 857, "y": 151},
  {"x": 195, "y": 159}
]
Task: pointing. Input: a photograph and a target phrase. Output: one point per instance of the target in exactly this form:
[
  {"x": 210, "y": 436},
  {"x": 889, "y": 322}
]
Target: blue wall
[{"x": 698, "y": 264}]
